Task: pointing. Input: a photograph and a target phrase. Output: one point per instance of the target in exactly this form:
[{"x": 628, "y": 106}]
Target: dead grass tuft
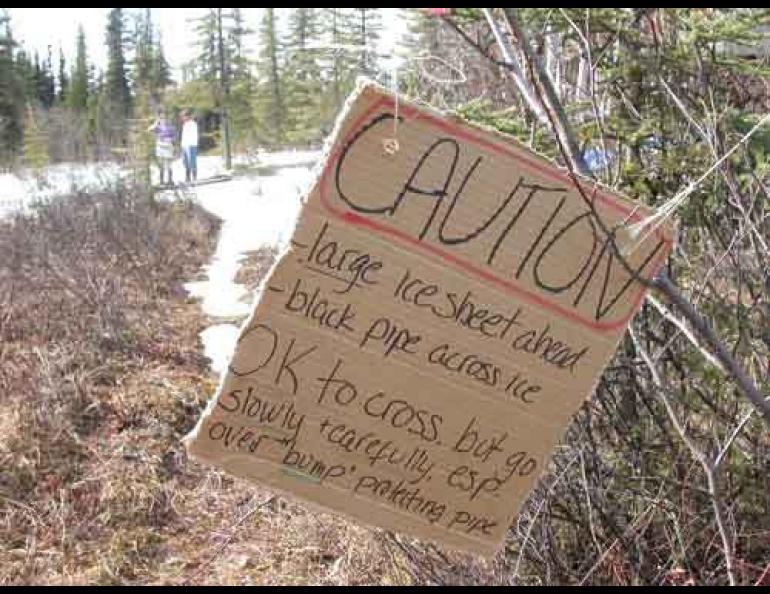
[{"x": 100, "y": 377}]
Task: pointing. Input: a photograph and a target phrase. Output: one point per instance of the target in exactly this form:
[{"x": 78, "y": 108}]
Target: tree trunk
[{"x": 224, "y": 80}]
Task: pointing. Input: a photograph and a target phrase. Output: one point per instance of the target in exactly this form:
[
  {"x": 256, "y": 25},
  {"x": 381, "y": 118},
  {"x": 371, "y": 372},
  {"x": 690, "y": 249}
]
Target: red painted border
[{"x": 512, "y": 287}]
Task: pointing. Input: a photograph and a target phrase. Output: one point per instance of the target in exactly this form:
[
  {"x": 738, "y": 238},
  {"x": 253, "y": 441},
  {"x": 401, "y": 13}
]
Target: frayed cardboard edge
[{"x": 362, "y": 85}]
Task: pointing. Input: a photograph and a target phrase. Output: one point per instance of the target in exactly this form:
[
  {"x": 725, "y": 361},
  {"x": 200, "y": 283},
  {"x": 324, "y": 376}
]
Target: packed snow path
[{"x": 256, "y": 211}]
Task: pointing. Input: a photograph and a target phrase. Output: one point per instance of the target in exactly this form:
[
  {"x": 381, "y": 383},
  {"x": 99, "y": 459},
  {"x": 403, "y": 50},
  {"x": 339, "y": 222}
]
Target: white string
[
  {"x": 461, "y": 79},
  {"x": 391, "y": 145},
  {"x": 655, "y": 220},
  {"x": 394, "y": 89}
]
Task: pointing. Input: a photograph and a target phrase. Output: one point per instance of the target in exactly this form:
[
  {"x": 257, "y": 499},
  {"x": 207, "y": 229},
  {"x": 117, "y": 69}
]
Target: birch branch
[
  {"x": 707, "y": 338},
  {"x": 709, "y": 467},
  {"x": 514, "y": 67}
]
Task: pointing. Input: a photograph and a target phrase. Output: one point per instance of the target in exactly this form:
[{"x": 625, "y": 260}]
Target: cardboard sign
[{"x": 442, "y": 312}]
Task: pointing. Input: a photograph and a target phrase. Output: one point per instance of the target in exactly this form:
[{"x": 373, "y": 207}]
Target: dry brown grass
[
  {"x": 100, "y": 377},
  {"x": 255, "y": 266}
]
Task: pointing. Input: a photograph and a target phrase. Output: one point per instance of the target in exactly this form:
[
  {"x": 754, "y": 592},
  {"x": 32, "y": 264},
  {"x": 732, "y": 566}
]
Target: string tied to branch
[{"x": 642, "y": 230}]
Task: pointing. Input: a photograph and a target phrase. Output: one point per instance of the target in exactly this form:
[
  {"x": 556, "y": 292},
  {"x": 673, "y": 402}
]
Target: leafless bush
[
  {"x": 662, "y": 477},
  {"x": 69, "y": 136},
  {"x": 100, "y": 377},
  {"x": 84, "y": 287}
]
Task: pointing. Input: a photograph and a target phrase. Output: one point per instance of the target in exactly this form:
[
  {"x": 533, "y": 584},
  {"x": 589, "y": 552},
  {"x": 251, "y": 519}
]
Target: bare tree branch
[
  {"x": 709, "y": 467},
  {"x": 514, "y": 67},
  {"x": 568, "y": 147},
  {"x": 563, "y": 128}
]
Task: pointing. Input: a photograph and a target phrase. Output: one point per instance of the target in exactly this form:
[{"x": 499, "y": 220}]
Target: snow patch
[
  {"x": 256, "y": 211},
  {"x": 20, "y": 191}
]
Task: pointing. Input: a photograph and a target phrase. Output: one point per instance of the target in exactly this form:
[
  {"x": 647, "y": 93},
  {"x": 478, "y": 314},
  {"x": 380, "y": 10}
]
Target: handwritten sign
[{"x": 442, "y": 312}]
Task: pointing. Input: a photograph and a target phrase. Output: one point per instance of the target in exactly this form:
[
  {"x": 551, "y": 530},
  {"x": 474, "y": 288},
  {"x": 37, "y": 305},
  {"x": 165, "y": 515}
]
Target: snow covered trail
[
  {"x": 256, "y": 211},
  {"x": 18, "y": 191},
  {"x": 21, "y": 189}
]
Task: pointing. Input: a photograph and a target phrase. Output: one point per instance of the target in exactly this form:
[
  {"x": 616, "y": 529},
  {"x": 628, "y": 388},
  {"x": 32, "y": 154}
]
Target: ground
[
  {"x": 101, "y": 374},
  {"x": 103, "y": 370},
  {"x": 95, "y": 485}
]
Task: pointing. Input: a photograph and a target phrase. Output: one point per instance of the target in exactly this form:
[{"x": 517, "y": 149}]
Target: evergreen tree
[
  {"x": 47, "y": 82},
  {"x": 33, "y": 72},
  {"x": 27, "y": 75},
  {"x": 237, "y": 36},
  {"x": 242, "y": 83},
  {"x": 11, "y": 93},
  {"x": 151, "y": 71},
  {"x": 140, "y": 140},
  {"x": 143, "y": 49},
  {"x": 77, "y": 97},
  {"x": 269, "y": 101},
  {"x": 367, "y": 27},
  {"x": 340, "y": 63},
  {"x": 206, "y": 64},
  {"x": 64, "y": 82},
  {"x": 116, "y": 78},
  {"x": 302, "y": 80},
  {"x": 94, "y": 103},
  {"x": 36, "y": 81},
  {"x": 224, "y": 86},
  {"x": 222, "y": 63},
  {"x": 35, "y": 141},
  {"x": 160, "y": 74},
  {"x": 115, "y": 99}
]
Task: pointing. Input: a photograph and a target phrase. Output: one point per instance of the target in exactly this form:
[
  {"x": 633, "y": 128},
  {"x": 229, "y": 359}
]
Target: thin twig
[
  {"x": 709, "y": 467},
  {"x": 709, "y": 338}
]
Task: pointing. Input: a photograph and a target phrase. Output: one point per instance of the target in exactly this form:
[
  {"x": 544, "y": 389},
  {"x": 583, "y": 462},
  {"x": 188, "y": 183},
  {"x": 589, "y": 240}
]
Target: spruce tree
[
  {"x": 242, "y": 82},
  {"x": 64, "y": 81},
  {"x": 269, "y": 108},
  {"x": 367, "y": 27},
  {"x": 37, "y": 82},
  {"x": 28, "y": 73},
  {"x": 115, "y": 97},
  {"x": 11, "y": 92},
  {"x": 143, "y": 49},
  {"x": 140, "y": 140},
  {"x": 205, "y": 66},
  {"x": 340, "y": 61},
  {"x": 95, "y": 111},
  {"x": 222, "y": 64},
  {"x": 160, "y": 74},
  {"x": 35, "y": 141},
  {"x": 302, "y": 80},
  {"x": 237, "y": 38},
  {"x": 224, "y": 86},
  {"x": 47, "y": 82},
  {"x": 77, "y": 97},
  {"x": 116, "y": 79}
]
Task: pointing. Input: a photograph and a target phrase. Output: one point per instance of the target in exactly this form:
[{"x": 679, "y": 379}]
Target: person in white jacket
[{"x": 189, "y": 146}]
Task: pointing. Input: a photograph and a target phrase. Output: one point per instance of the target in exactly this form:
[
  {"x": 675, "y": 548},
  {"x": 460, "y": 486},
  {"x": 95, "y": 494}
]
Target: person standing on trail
[
  {"x": 164, "y": 146},
  {"x": 189, "y": 146}
]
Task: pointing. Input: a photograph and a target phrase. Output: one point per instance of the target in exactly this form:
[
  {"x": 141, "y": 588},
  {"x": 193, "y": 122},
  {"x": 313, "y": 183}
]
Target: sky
[{"x": 37, "y": 28}]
